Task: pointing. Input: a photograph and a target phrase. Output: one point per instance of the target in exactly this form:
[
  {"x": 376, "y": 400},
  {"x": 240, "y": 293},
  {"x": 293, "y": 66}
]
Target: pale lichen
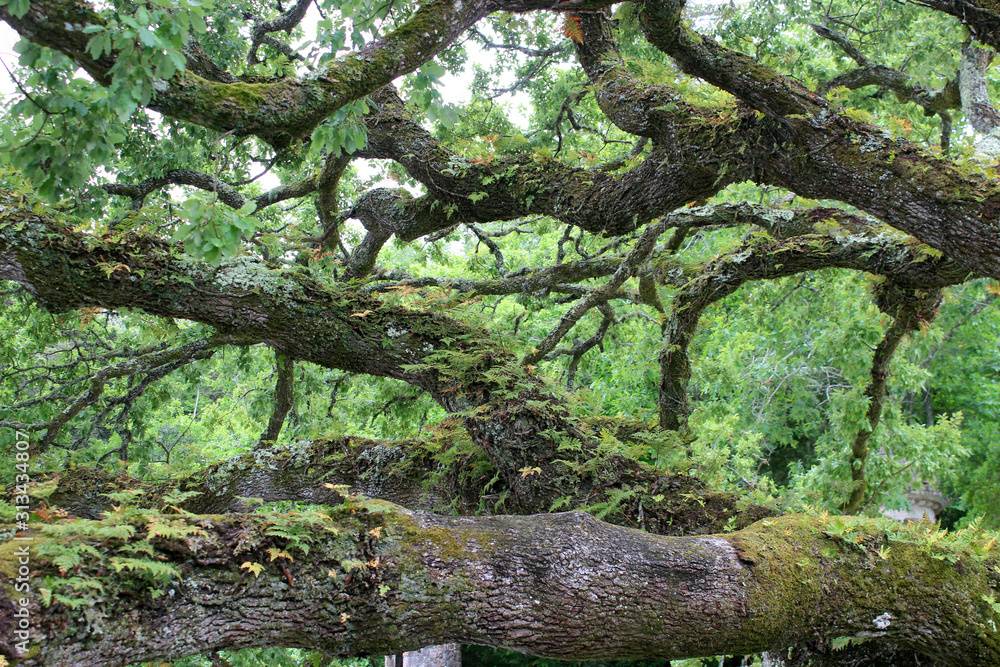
[{"x": 251, "y": 274}]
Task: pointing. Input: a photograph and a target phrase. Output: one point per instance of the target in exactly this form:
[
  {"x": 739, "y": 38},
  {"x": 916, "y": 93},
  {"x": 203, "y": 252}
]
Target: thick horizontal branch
[
  {"x": 505, "y": 409},
  {"x": 317, "y": 472},
  {"x": 66, "y": 270},
  {"x": 507, "y": 188},
  {"x": 376, "y": 579},
  {"x": 954, "y": 210},
  {"x": 802, "y": 144},
  {"x": 413, "y": 473},
  {"x": 289, "y": 108},
  {"x": 821, "y": 154}
]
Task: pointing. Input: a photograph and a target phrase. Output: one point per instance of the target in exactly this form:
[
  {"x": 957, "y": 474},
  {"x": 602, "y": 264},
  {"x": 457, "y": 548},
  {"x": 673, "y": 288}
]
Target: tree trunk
[{"x": 372, "y": 578}]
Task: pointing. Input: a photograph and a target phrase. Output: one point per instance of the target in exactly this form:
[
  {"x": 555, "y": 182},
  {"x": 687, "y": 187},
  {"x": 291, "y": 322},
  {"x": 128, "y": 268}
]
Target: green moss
[
  {"x": 802, "y": 565},
  {"x": 214, "y": 94}
]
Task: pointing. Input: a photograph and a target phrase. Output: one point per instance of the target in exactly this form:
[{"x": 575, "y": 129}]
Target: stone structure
[
  {"x": 925, "y": 502},
  {"x": 443, "y": 655}
]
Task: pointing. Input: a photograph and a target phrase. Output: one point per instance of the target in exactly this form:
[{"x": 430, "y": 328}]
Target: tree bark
[{"x": 372, "y": 578}]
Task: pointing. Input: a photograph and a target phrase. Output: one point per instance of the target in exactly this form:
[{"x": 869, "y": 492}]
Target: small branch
[
  {"x": 844, "y": 43},
  {"x": 643, "y": 247},
  {"x": 535, "y": 53},
  {"x": 155, "y": 364},
  {"x": 285, "y": 22},
  {"x": 910, "y": 309},
  {"x": 285, "y": 50},
  {"x": 227, "y": 194},
  {"x": 887, "y": 78},
  {"x": 580, "y": 348},
  {"x": 388, "y": 405},
  {"x": 269, "y": 165},
  {"x": 532, "y": 71},
  {"x": 284, "y": 396},
  {"x": 494, "y": 248}
]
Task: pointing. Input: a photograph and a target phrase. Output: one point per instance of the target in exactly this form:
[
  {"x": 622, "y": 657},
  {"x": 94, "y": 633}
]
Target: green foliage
[
  {"x": 423, "y": 92},
  {"x": 68, "y": 129},
  {"x": 213, "y": 231},
  {"x": 148, "y": 47},
  {"x": 343, "y": 133},
  {"x": 71, "y": 125}
]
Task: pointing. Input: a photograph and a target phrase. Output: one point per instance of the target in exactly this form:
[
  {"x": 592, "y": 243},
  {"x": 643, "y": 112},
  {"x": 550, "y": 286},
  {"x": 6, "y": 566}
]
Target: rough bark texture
[
  {"x": 280, "y": 111},
  {"x": 380, "y": 579}
]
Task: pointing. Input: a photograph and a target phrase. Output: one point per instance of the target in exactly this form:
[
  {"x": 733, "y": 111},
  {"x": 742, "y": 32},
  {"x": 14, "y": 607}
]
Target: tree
[{"x": 817, "y": 179}]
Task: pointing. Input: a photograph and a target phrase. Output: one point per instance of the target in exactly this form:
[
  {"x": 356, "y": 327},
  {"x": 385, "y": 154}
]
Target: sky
[{"x": 7, "y": 40}]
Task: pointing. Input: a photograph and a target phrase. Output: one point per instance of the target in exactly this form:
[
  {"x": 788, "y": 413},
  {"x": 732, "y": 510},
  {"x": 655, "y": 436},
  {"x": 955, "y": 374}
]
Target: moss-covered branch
[
  {"x": 226, "y": 193},
  {"x": 289, "y": 108},
  {"x": 910, "y": 309},
  {"x": 845, "y": 242},
  {"x": 637, "y": 107},
  {"x": 510, "y": 187},
  {"x": 817, "y": 152},
  {"x": 506, "y": 410},
  {"x": 732, "y": 71},
  {"x": 374, "y": 579},
  {"x": 446, "y": 471}
]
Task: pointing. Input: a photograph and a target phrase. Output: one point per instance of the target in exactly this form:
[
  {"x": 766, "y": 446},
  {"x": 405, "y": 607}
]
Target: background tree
[{"x": 308, "y": 359}]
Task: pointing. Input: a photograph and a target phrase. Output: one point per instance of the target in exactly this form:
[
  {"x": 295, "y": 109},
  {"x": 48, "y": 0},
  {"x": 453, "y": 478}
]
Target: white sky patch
[{"x": 8, "y": 38}]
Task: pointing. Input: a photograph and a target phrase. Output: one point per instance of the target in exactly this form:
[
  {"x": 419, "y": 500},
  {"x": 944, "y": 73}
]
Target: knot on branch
[
  {"x": 381, "y": 209},
  {"x": 909, "y": 306}
]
